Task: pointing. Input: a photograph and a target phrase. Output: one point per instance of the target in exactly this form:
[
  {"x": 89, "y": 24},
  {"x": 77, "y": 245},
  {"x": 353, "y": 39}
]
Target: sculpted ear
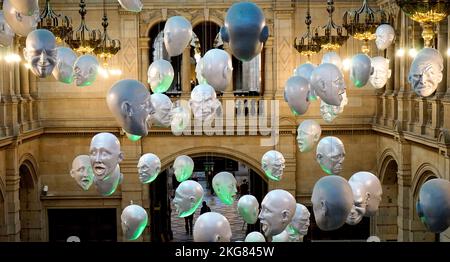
[
  {"x": 217, "y": 238},
  {"x": 439, "y": 76},
  {"x": 158, "y": 169},
  {"x": 72, "y": 173},
  {"x": 264, "y": 34},
  {"x": 323, "y": 207},
  {"x": 367, "y": 197},
  {"x": 285, "y": 215},
  {"x": 126, "y": 109},
  {"x": 120, "y": 157}
]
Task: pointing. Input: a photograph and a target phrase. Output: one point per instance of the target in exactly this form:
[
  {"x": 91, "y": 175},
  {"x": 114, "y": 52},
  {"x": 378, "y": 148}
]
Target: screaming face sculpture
[
  {"x": 380, "y": 72},
  {"x": 163, "y": 110},
  {"x": 272, "y": 163},
  {"x": 328, "y": 83},
  {"x": 385, "y": 36},
  {"x": 245, "y": 30},
  {"x": 85, "y": 70},
  {"x": 65, "y": 59},
  {"x": 212, "y": 227},
  {"x": 277, "y": 210},
  {"x": 130, "y": 103},
  {"x": 360, "y": 70},
  {"x": 133, "y": 221},
  {"x": 177, "y": 35},
  {"x": 248, "y": 209},
  {"x": 82, "y": 171},
  {"x": 204, "y": 102},
  {"x": 183, "y": 165},
  {"x": 308, "y": 133},
  {"x": 149, "y": 167},
  {"x": 188, "y": 197},
  {"x": 332, "y": 200},
  {"x": 224, "y": 185},
  {"x": 108, "y": 185},
  {"x": 131, "y": 5},
  {"x": 6, "y": 33},
  {"x": 40, "y": 52},
  {"x": 160, "y": 75},
  {"x": 216, "y": 68},
  {"x": 329, "y": 112},
  {"x": 426, "y": 72},
  {"x": 296, "y": 93},
  {"x": 105, "y": 154},
  {"x": 299, "y": 224},
  {"x": 21, "y": 23},
  {"x": 433, "y": 205},
  {"x": 330, "y": 155}
]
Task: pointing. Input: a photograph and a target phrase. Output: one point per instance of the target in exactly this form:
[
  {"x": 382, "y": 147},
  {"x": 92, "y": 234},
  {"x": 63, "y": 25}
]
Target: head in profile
[
  {"x": 332, "y": 201},
  {"x": 330, "y": 112},
  {"x": 183, "y": 167},
  {"x": 296, "y": 94},
  {"x": 246, "y": 34},
  {"x": 162, "y": 105},
  {"x": 328, "y": 83},
  {"x": 308, "y": 134},
  {"x": 105, "y": 154},
  {"x": 130, "y": 103},
  {"x": 133, "y": 221},
  {"x": 82, "y": 171},
  {"x": 177, "y": 35},
  {"x": 85, "y": 70},
  {"x": 149, "y": 167},
  {"x": 330, "y": 154},
  {"x": 224, "y": 185},
  {"x": 212, "y": 227},
  {"x": 188, "y": 197},
  {"x": 426, "y": 72},
  {"x": 63, "y": 71},
  {"x": 272, "y": 162},
  {"x": 277, "y": 210},
  {"x": 385, "y": 35},
  {"x": 300, "y": 222},
  {"x": 40, "y": 52},
  {"x": 433, "y": 205},
  {"x": 367, "y": 191}
]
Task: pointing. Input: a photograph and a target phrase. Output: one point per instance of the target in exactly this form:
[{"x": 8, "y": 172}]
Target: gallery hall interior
[{"x": 224, "y": 121}]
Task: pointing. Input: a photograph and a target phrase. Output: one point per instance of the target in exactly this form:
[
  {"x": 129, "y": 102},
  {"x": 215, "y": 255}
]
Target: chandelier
[
  {"x": 307, "y": 46},
  {"x": 427, "y": 13},
  {"x": 362, "y": 23},
  {"x": 330, "y": 36},
  {"x": 107, "y": 47},
  {"x": 58, "y": 24},
  {"x": 83, "y": 40}
]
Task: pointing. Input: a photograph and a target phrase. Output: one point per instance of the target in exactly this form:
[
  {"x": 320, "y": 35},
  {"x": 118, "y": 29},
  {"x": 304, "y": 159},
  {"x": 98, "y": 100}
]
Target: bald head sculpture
[
  {"x": 426, "y": 72},
  {"x": 40, "y": 52},
  {"x": 105, "y": 154},
  {"x": 130, "y": 103}
]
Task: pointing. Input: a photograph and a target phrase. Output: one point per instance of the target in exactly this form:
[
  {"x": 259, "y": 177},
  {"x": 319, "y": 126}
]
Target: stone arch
[
  {"x": 386, "y": 219},
  {"x": 200, "y": 19},
  {"x": 225, "y": 152},
  {"x": 29, "y": 197},
  {"x": 424, "y": 173},
  {"x": 153, "y": 22}
]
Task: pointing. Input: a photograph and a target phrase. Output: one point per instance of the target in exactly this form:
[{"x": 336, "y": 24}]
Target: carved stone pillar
[
  {"x": 268, "y": 70},
  {"x": 12, "y": 194},
  {"x": 404, "y": 190},
  {"x": 144, "y": 47},
  {"x": 186, "y": 72}
]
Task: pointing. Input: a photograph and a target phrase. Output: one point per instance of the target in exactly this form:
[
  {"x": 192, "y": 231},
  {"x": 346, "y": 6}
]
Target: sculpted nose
[
  {"x": 97, "y": 157},
  {"x": 42, "y": 56}
]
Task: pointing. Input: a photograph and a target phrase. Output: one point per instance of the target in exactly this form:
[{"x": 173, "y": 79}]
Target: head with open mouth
[
  {"x": 277, "y": 210},
  {"x": 82, "y": 171},
  {"x": 105, "y": 154}
]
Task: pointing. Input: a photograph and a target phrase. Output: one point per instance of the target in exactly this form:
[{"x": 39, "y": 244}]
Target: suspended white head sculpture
[
  {"x": 216, "y": 68},
  {"x": 177, "y": 35},
  {"x": 328, "y": 83},
  {"x": 330, "y": 155},
  {"x": 131, "y": 5},
  {"x": 162, "y": 115},
  {"x": 85, "y": 70},
  {"x": 40, "y": 52},
  {"x": 425, "y": 73},
  {"x": 385, "y": 36},
  {"x": 296, "y": 94},
  {"x": 6, "y": 32},
  {"x": 65, "y": 59},
  {"x": 380, "y": 72},
  {"x": 133, "y": 221},
  {"x": 22, "y": 24},
  {"x": 212, "y": 227},
  {"x": 160, "y": 76},
  {"x": 308, "y": 134}
]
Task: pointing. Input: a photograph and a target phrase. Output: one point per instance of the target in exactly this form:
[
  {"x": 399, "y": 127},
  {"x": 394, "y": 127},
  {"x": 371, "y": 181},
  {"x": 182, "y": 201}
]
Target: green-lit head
[
  {"x": 85, "y": 70},
  {"x": 149, "y": 166},
  {"x": 183, "y": 167},
  {"x": 134, "y": 220},
  {"x": 248, "y": 208},
  {"x": 132, "y": 137},
  {"x": 188, "y": 197},
  {"x": 160, "y": 76},
  {"x": 224, "y": 185}
]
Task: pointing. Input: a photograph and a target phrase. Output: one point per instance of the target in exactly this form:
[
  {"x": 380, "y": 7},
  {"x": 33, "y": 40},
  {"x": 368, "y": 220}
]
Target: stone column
[
  {"x": 12, "y": 194},
  {"x": 33, "y": 105},
  {"x": 186, "y": 72},
  {"x": 268, "y": 70},
  {"x": 144, "y": 47},
  {"x": 404, "y": 190},
  {"x": 442, "y": 36}
]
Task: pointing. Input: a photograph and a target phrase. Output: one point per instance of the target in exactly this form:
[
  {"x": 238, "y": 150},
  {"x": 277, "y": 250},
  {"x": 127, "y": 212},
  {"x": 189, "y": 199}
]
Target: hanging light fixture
[
  {"x": 60, "y": 25},
  {"x": 108, "y": 47},
  {"x": 307, "y": 46},
  {"x": 83, "y": 40},
  {"x": 363, "y": 22},
  {"x": 427, "y": 13},
  {"x": 330, "y": 36}
]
